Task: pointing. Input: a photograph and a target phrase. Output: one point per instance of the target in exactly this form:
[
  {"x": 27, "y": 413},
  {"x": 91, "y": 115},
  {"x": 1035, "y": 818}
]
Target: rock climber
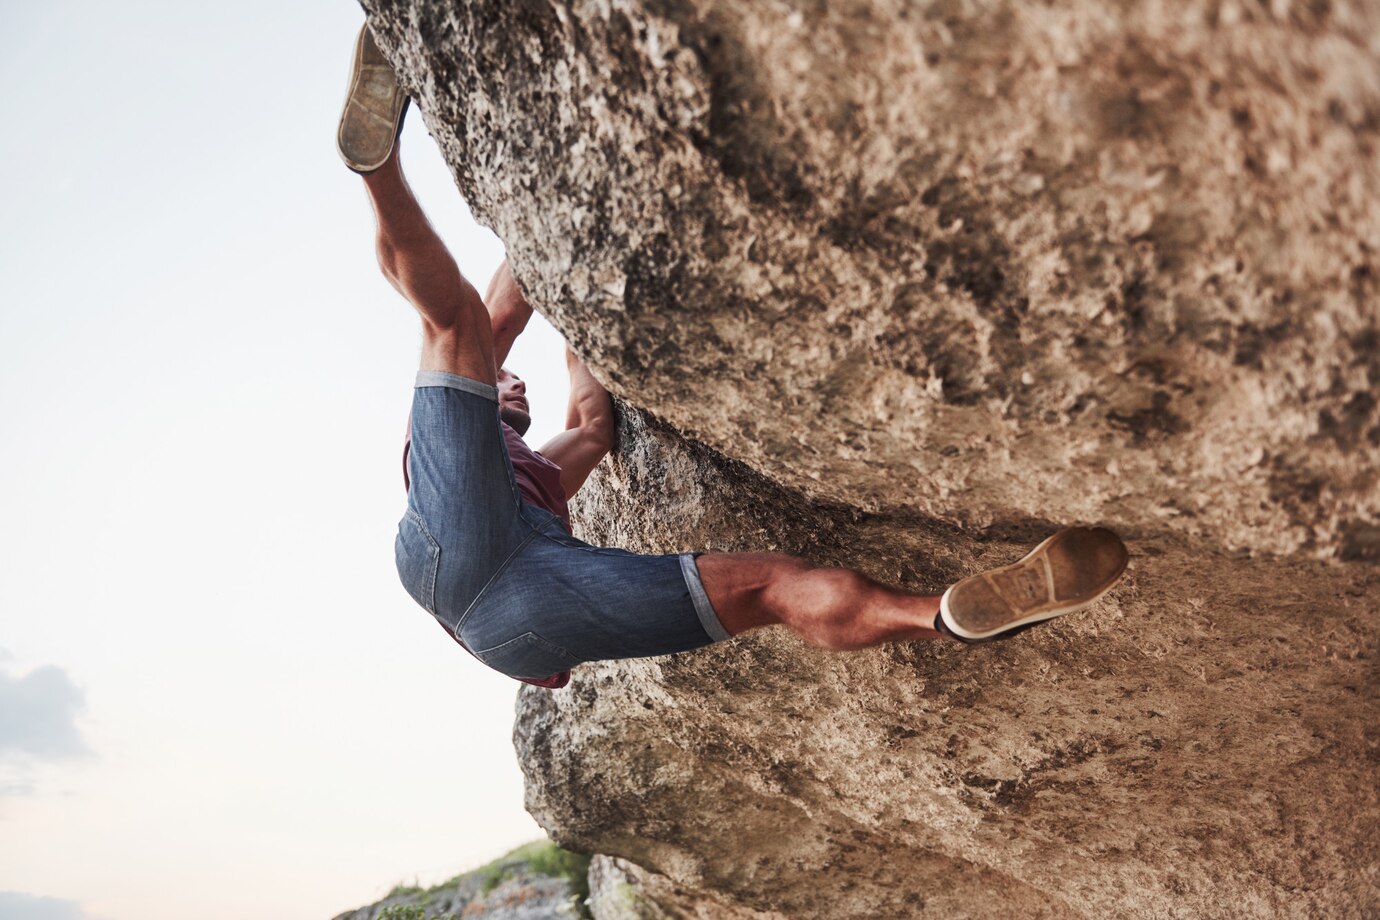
[{"x": 485, "y": 545}]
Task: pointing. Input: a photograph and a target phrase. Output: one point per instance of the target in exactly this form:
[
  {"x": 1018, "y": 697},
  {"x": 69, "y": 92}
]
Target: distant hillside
[{"x": 537, "y": 881}]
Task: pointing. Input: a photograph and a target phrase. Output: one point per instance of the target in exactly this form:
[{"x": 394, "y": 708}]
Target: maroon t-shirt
[{"x": 539, "y": 481}]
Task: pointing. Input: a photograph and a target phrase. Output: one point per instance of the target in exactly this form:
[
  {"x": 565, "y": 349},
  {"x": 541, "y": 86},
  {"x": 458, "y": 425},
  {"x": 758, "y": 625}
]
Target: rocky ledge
[{"x": 903, "y": 286}]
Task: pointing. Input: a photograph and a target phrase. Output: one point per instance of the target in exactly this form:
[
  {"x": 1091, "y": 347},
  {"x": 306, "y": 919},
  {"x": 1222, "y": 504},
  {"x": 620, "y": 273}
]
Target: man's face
[{"x": 512, "y": 401}]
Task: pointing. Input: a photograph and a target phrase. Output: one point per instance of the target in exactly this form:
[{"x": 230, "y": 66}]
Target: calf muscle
[
  {"x": 828, "y": 607},
  {"x": 455, "y": 324}
]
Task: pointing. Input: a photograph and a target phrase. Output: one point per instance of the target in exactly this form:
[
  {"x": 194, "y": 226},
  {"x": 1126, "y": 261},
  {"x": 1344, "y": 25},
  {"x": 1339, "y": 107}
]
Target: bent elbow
[{"x": 602, "y": 431}]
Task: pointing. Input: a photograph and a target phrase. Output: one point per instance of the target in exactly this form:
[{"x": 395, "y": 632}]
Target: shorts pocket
[
  {"x": 529, "y": 655},
  {"x": 419, "y": 559}
]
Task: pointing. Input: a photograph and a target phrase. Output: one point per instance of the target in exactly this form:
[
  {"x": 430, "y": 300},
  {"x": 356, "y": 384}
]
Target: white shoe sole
[
  {"x": 372, "y": 114},
  {"x": 1111, "y": 555}
]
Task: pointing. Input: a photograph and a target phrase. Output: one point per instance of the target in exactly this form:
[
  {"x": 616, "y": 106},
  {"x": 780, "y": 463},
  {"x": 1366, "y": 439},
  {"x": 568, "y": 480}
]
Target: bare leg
[
  {"x": 456, "y": 333},
  {"x": 831, "y": 608}
]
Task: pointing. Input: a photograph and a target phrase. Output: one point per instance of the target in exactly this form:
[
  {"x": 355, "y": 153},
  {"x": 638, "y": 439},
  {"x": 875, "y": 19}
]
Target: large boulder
[{"x": 902, "y": 286}]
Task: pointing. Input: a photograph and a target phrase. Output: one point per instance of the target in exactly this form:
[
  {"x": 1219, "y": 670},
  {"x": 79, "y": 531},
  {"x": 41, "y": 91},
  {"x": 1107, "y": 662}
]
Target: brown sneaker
[
  {"x": 374, "y": 108},
  {"x": 1065, "y": 573}
]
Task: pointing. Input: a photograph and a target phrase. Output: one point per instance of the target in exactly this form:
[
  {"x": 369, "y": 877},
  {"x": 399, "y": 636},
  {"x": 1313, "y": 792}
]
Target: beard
[{"x": 515, "y": 419}]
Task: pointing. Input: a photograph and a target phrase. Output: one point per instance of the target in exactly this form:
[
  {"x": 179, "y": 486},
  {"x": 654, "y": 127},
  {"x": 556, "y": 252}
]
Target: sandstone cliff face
[{"x": 901, "y": 286}]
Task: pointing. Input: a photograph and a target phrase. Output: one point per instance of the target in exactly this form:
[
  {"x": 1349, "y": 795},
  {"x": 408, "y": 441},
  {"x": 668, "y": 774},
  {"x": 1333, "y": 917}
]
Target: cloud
[
  {"x": 17, "y": 906},
  {"x": 38, "y": 715}
]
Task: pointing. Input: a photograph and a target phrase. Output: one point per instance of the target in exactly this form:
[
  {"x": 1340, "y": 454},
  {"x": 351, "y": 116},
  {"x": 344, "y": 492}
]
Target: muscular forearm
[
  {"x": 590, "y": 403},
  {"x": 589, "y": 433},
  {"x": 508, "y": 310}
]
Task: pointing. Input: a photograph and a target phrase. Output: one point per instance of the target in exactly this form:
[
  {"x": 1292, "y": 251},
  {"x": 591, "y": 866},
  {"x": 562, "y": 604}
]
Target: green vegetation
[
  {"x": 408, "y": 912},
  {"x": 626, "y": 897},
  {"x": 540, "y": 857}
]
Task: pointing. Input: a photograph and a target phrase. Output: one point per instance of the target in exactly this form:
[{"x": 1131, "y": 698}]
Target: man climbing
[{"x": 485, "y": 545}]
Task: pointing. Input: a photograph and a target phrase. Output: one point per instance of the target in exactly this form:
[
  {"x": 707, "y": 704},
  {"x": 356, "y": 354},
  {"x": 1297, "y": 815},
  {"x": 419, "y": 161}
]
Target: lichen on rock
[{"x": 903, "y": 286}]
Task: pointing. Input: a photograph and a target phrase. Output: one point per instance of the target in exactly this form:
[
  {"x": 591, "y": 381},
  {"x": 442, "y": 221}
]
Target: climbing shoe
[
  {"x": 374, "y": 108},
  {"x": 1065, "y": 573}
]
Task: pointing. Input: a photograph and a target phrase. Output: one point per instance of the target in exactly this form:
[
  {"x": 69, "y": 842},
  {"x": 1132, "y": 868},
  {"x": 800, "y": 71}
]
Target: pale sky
[{"x": 215, "y": 698}]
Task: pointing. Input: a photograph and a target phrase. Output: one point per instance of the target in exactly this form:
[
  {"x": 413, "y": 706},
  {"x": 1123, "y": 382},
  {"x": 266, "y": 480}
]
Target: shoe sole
[
  {"x": 1070, "y": 570},
  {"x": 367, "y": 133}
]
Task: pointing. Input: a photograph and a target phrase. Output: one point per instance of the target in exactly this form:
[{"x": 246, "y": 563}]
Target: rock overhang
[{"x": 901, "y": 286}]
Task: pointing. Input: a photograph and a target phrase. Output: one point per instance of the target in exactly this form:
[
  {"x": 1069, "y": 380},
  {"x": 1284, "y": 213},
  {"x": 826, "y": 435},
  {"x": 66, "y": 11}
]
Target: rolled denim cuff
[
  {"x": 456, "y": 382},
  {"x": 703, "y": 609}
]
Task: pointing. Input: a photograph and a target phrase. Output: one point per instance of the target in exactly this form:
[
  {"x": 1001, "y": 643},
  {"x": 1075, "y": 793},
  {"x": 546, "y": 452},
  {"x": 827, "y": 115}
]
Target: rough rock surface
[
  {"x": 620, "y": 890},
  {"x": 900, "y": 286}
]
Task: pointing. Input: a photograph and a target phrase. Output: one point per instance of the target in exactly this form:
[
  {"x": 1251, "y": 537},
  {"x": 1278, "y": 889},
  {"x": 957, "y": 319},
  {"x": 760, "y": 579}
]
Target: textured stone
[
  {"x": 1119, "y": 262},
  {"x": 902, "y": 286},
  {"x": 1203, "y": 741},
  {"x": 620, "y": 890}
]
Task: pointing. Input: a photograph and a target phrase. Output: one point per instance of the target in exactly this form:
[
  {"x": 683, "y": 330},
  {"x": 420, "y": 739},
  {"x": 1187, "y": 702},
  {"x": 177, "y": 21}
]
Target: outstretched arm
[
  {"x": 508, "y": 310},
  {"x": 589, "y": 425}
]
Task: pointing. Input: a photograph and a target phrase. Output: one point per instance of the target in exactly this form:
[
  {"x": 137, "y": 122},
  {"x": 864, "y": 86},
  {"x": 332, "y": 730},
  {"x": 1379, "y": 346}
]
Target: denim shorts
[{"x": 504, "y": 577}]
